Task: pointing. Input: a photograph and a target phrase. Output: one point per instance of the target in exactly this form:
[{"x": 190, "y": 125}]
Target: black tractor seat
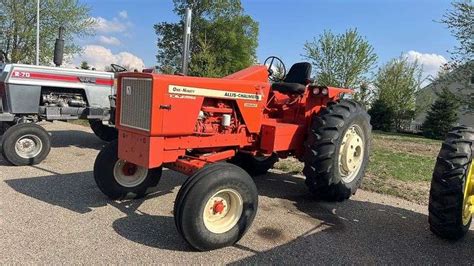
[{"x": 296, "y": 80}]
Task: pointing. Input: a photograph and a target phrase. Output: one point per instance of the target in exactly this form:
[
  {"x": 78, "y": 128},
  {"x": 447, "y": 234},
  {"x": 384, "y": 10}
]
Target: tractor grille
[{"x": 136, "y": 103}]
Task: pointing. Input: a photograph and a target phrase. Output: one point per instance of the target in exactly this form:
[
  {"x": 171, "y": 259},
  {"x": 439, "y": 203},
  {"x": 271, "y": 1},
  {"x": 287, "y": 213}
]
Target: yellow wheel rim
[
  {"x": 351, "y": 153},
  {"x": 468, "y": 206}
]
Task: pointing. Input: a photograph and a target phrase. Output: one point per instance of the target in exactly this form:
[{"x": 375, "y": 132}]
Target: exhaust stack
[{"x": 59, "y": 48}]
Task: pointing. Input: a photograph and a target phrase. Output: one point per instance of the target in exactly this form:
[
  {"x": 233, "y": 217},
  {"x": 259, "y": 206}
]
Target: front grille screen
[{"x": 136, "y": 103}]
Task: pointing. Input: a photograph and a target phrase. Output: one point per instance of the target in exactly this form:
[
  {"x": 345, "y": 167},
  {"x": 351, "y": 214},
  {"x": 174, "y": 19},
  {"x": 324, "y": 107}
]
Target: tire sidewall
[{"x": 14, "y": 133}]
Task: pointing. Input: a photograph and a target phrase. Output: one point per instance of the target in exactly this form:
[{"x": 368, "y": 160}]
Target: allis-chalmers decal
[{"x": 174, "y": 89}]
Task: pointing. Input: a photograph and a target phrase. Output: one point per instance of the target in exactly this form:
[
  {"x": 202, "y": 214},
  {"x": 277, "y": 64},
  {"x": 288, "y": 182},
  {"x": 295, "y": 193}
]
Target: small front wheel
[
  {"x": 216, "y": 206},
  {"x": 25, "y": 144},
  {"x": 119, "y": 179}
]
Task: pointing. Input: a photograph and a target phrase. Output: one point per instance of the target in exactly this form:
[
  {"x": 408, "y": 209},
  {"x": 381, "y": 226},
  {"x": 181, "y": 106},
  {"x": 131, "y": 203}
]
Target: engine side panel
[{"x": 23, "y": 99}]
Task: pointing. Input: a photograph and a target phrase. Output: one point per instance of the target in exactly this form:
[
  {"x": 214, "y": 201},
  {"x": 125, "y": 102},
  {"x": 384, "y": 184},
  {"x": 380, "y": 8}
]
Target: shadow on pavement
[
  {"x": 348, "y": 232},
  {"x": 78, "y": 192},
  {"x": 356, "y": 232},
  {"x": 76, "y": 138}
]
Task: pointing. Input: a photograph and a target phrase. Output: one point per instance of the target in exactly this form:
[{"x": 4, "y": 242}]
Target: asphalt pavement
[{"x": 53, "y": 213}]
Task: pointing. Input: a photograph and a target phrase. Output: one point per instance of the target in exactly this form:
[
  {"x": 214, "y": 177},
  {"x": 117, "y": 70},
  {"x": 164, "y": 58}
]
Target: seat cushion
[{"x": 287, "y": 87}]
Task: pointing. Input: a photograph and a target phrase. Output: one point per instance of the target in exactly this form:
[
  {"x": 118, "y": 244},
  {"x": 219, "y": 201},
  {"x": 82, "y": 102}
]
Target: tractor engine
[{"x": 217, "y": 117}]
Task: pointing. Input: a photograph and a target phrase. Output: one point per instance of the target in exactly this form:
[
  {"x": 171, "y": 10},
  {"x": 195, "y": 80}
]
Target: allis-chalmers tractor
[
  {"x": 452, "y": 188},
  {"x": 221, "y": 131}
]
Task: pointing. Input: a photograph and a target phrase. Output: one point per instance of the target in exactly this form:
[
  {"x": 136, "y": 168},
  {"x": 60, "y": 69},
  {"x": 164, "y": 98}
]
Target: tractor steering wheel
[
  {"x": 118, "y": 68},
  {"x": 276, "y": 70}
]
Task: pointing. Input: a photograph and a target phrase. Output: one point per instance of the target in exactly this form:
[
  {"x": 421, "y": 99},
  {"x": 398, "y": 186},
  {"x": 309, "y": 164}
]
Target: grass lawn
[{"x": 400, "y": 165}]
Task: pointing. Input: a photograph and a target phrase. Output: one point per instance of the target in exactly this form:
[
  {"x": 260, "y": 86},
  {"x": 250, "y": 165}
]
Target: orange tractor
[{"x": 220, "y": 131}]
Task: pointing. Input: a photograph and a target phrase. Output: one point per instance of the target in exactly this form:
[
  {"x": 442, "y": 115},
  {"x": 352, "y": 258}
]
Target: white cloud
[
  {"x": 99, "y": 57},
  {"x": 108, "y": 26},
  {"x": 123, "y": 14},
  {"x": 431, "y": 63},
  {"x": 109, "y": 40}
]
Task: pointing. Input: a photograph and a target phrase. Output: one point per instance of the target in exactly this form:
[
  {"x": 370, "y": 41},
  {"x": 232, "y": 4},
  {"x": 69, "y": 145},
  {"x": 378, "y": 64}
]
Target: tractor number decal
[{"x": 174, "y": 89}]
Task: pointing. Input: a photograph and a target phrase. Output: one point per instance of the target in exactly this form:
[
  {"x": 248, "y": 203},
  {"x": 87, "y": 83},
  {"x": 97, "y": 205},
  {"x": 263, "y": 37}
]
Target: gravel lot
[{"x": 53, "y": 213}]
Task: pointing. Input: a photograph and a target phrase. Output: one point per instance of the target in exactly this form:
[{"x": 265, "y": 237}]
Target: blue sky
[{"x": 393, "y": 27}]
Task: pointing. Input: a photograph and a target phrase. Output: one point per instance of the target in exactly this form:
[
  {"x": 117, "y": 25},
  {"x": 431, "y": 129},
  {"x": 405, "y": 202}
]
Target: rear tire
[
  {"x": 25, "y": 144},
  {"x": 105, "y": 133},
  {"x": 119, "y": 179},
  {"x": 216, "y": 206},
  {"x": 254, "y": 165},
  {"x": 337, "y": 150},
  {"x": 450, "y": 174}
]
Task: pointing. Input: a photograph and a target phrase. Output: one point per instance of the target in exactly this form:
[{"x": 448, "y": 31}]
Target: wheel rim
[
  {"x": 128, "y": 174},
  {"x": 28, "y": 146},
  {"x": 468, "y": 203},
  {"x": 223, "y": 211},
  {"x": 351, "y": 153}
]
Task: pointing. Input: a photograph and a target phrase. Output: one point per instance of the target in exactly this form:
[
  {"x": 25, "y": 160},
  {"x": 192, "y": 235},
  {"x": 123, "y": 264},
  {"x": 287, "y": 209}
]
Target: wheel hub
[
  {"x": 223, "y": 211},
  {"x": 468, "y": 208},
  {"x": 351, "y": 153},
  {"x": 128, "y": 174},
  {"x": 28, "y": 146}
]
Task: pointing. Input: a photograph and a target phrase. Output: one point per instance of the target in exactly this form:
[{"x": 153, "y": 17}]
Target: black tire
[
  {"x": 102, "y": 131},
  {"x": 32, "y": 134},
  {"x": 197, "y": 191},
  {"x": 4, "y": 126},
  {"x": 255, "y": 166},
  {"x": 105, "y": 179},
  {"x": 448, "y": 184},
  {"x": 327, "y": 130}
]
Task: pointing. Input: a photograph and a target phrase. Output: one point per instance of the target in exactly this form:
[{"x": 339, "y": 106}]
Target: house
[{"x": 460, "y": 82}]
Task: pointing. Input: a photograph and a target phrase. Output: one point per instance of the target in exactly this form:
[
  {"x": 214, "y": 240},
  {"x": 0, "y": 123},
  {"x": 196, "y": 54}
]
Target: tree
[
  {"x": 442, "y": 115},
  {"x": 85, "y": 65},
  {"x": 18, "y": 28},
  {"x": 397, "y": 83},
  {"x": 341, "y": 60},
  {"x": 381, "y": 116},
  {"x": 223, "y": 38},
  {"x": 460, "y": 20}
]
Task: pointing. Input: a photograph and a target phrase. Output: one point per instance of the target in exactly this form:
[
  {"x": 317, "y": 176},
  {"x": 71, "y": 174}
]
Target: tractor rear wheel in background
[
  {"x": 4, "y": 126},
  {"x": 104, "y": 132},
  {"x": 215, "y": 207},
  {"x": 25, "y": 144},
  {"x": 451, "y": 204},
  {"x": 254, "y": 165},
  {"x": 119, "y": 179},
  {"x": 337, "y": 150}
]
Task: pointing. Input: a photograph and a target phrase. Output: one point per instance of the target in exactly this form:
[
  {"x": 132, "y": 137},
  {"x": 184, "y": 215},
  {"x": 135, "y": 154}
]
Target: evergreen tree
[
  {"x": 442, "y": 115},
  {"x": 85, "y": 65},
  {"x": 381, "y": 116}
]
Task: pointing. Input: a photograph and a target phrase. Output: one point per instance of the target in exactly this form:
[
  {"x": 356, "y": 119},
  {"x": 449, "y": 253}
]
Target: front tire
[
  {"x": 25, "y": 144},
  {"x": 119, "y": 179},
  {"x": 102, "y": 131},
  {"x": 452, "y": 186},
  {"x": 215, "y": 207},
  {"x": 337, "y": 150}
]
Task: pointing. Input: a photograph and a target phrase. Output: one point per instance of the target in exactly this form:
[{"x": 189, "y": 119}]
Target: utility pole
[
  {"x": 37, "y": 31},
  {"x": 186, "y": 40}
]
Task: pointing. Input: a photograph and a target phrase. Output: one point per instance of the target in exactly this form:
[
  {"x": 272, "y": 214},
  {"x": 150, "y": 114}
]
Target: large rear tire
[
  {"x": 119, "y": 179},
  {"x": 25, "y": 144},
  {"x": 254, "y": 165},
  {"x": 452, "y": 186},
  {"x": 337, "y": 150},
  {"x": 104, "y": 132},
  {"x": 215, "y": 207}
]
